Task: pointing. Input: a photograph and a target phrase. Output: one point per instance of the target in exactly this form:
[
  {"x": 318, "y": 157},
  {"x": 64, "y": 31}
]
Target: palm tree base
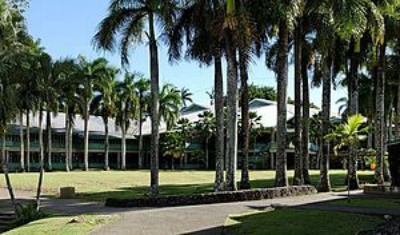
[
  {"x": 244, "y": 185},
  {"x": 323, "y": 189}
]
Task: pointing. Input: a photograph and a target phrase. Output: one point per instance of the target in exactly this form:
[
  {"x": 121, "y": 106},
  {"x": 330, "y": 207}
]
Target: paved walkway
[{"x": 202, "y": 219}]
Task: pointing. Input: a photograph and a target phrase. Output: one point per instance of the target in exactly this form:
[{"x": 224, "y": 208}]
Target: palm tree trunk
[
  {"x": 5, "y": 171},
  {"x": 245, "y": 179},
  {"x": 220, "y": 129},
  {"x": 66, "y": 145},
  {"x": 298, "y": 158},
  {"x": 306, "y": 123},
  {"x": 71, "y": 143},
  {"x": 354, "y": 109},
  {"x": 49, "y": 136},
  {"x": 155, "y": 90},
  {"x": 41, "y": 152},
  {"x": 325, "y": 182},
  {"x": 380, "y": 115},
  {"x": 390, "y": 118},
  {"x": 123, "y": 145},
  {"x": 106, "y": 145},
  {"x": 141, "y": 132},
  {"x": 21, "y": 137},
  {"x": 232, "y": 107},
  {"x": 281, "y": 179},
  {"x": 206, "y": 153},
  {"x": 86, "y": 143},
  {"x": 28, "y": 141},
  {"x": 397, "y": 127}
]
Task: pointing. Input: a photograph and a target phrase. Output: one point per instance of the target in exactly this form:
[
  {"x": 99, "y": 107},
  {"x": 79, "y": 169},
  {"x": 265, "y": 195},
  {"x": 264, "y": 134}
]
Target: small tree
[
  {"x": 348, "y": 135},
  {"x": 174, "y": 147}
]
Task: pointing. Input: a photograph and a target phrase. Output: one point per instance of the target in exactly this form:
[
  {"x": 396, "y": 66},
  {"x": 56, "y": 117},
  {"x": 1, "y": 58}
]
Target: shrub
[{"x": 26, "y": 213}]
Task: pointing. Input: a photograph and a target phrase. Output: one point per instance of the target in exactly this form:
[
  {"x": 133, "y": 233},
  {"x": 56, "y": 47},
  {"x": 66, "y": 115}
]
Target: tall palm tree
[
  {"x": 196, "y": 26},
  {"x": 142, "y": 90},
  {"x": 230, "y": 29},
  {"x": 103, "y": 105},
  {"x": 128, "y": 103},
  {"x": 69, "y": 101},
  {"x": 89, "y": 72},
  {"x": 127, "y": 18}
]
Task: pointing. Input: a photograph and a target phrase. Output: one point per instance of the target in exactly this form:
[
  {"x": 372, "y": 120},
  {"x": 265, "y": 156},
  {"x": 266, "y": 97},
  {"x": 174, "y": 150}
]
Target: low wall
[{"x": 210, "y": 198}]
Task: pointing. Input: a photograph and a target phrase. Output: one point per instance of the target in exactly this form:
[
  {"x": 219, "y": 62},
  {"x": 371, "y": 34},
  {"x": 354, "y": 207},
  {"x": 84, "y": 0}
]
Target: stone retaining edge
[{"x": 211, "y": 198}]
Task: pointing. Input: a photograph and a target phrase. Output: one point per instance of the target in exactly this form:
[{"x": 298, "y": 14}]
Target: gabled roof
[{"x": 96, "y": 125}]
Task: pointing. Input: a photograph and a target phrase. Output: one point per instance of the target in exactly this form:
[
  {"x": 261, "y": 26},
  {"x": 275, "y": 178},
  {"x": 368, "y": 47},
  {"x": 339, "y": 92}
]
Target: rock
[{"x": 67, "y": 193}]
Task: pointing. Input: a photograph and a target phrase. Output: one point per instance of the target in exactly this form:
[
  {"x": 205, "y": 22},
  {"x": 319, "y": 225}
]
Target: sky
[{"x": 66, "y": 28}]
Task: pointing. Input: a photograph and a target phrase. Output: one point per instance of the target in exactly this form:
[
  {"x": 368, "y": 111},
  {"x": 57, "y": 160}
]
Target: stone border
[
  {"x": 380, "y": 190},
  {"x": 210, "y": 198}
]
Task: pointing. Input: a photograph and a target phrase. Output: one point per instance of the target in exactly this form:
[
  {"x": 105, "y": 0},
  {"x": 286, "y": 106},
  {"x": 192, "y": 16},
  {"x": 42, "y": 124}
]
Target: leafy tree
[
  {"x": 205, "y": 128},
  {"x": 261, "y": 92},
  {"x": 174, "y": 146}
]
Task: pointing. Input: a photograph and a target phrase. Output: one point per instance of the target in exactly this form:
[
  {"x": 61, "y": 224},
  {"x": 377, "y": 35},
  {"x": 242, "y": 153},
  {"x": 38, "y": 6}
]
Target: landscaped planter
[{"x": 209, "y": 198}]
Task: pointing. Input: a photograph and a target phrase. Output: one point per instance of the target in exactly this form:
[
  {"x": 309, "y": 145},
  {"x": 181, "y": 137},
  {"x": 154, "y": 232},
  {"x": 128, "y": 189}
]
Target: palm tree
[
  {"x": 230, "y": 28},
  {"x": 70, "y": 102},
  {"x": 196, "y": 24},
  {"x": 348, "y": 135},
  {"x": 103, "y": 105},
  {"x": 89, "y": 72},
  {"x": 127, "y": 105},
  {"x": 126, "y": 18},
  {"x": 51, "y": 87},
  {"x": 186, "y": 96},
  {"x": 170, "y": 105},
  {"x": 142, "y": 89},
  {"x": 281, "y": 179},
  {"x": 205, "y": 128},
  {"x": 298, "y": 178}
]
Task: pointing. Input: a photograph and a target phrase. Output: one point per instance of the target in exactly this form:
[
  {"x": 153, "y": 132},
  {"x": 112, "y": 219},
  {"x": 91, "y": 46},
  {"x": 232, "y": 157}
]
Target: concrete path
[{"x": 202, "y": 219}]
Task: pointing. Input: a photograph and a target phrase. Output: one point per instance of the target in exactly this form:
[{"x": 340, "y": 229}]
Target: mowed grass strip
[
  {"x": 64, "y": 225},
  {"x": 99, "y": 185},
  {"x": 372, "y": 202},
  {"x": 290, "y": 221}
]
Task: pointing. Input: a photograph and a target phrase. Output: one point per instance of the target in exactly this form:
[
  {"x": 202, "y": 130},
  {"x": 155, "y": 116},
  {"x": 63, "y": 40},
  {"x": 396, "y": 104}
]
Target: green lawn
[
  {"x": 373, "y": 202},
  {"x": 98, "y": 185},
  {"x": 290, "y": 221},
  {"x": 66, "y": 225}
]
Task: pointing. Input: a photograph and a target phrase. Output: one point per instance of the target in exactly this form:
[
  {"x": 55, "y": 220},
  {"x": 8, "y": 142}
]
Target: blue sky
[{"x": 66, "y": 28}]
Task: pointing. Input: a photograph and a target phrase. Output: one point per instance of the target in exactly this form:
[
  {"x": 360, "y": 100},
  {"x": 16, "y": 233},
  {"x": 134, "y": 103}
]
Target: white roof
[
  {"x": 267, "y": 109},
  {"x": 96, "y": 124}
]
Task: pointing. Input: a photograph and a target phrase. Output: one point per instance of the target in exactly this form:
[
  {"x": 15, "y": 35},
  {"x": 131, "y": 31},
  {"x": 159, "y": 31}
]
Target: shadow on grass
[
  {"x": 299, "y": 221},
  {"x": 337, "y": 179}
]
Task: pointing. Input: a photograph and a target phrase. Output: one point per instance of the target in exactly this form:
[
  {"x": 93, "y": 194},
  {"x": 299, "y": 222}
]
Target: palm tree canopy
[{"x": 125, "y": 24}]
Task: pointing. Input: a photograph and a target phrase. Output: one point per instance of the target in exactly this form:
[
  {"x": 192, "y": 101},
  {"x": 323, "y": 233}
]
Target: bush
[
  {"x": 210, "y": 198},
  {"x": 26, "y": 213}
]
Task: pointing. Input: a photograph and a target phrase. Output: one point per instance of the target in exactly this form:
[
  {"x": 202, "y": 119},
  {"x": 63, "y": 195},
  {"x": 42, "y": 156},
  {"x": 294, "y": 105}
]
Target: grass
[
  {"x": 290, "y": 221},
  {"x": 66, "y": 225},
  {"x": 372, "y": 202},
  {"x": 97, "y": 185}
]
